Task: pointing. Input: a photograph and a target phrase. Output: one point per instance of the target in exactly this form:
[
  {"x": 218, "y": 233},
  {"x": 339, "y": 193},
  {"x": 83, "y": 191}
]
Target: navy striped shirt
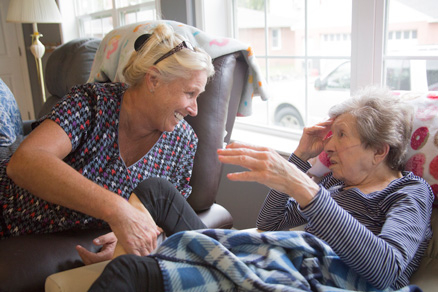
[{"x": 381, "y": 235}]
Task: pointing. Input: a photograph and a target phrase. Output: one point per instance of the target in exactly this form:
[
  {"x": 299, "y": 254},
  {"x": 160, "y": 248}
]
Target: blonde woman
[{"x": 92, "y": 160}]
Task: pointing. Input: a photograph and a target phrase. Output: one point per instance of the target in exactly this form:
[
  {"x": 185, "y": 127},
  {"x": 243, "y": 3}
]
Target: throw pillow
[
  {"x": 11, "y": 125},
  {"x": 422, "y": 157}
]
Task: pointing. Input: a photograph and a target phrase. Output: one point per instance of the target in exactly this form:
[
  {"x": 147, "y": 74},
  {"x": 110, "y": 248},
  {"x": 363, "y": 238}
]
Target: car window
[{"x": 340, "y": 77}]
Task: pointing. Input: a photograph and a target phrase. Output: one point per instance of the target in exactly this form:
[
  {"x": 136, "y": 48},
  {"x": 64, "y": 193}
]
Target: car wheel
[{"x": 289, "y": 117}]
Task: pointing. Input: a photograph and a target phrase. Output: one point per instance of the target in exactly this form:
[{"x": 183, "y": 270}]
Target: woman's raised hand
[
  {"x": 312, "y": 141},
  {"x": 268, "y": 167}
]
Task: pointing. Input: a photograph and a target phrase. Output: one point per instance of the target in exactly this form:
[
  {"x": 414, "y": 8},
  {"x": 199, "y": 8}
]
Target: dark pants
[
  {"x": 172, "y": 213},
  {"x": 130, "y": 273},
  {"x": 167, "y": 206}
]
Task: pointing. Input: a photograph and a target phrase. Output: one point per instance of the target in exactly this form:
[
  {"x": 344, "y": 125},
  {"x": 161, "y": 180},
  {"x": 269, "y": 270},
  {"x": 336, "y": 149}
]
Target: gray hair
[
  {"x": 179, "y": 65},
  {"x": 381, "y": 118}
]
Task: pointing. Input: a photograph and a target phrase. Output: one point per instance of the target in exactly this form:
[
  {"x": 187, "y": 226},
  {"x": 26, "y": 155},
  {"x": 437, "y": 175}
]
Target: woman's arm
[
  {"x": 37, "y": 166},
  {"x": 279, "y": 210}
]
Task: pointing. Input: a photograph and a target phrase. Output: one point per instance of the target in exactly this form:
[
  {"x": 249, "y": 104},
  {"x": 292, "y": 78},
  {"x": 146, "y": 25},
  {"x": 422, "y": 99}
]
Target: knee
[
  {"x": 125, "y": 260},
  {"x": 155, "y": 187},
  {"x": 134, "y": 265},
  {"x": 154, "y": 183},
  {"x": 120, "y": 267}
]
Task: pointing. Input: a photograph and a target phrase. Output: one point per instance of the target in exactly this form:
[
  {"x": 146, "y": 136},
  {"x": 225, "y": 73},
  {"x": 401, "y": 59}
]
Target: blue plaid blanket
[{"x": 230, "y": 260}]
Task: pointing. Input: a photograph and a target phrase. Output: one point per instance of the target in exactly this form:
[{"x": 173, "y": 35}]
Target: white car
[{"x": 288, "y": 104}]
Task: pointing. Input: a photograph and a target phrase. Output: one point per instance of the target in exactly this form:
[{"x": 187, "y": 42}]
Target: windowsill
[{"x": 282, "y": 141}]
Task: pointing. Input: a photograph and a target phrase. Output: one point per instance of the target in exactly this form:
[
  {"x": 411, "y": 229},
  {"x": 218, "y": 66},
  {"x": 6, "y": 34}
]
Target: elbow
[
  {"x": 262, "y": 226},
  {"x": 386, "y": 278},
  {"x": 265, "y": 226},
  {"x": 10, "y": 168},
  {"x": 13, "y": 168},
  {"x": 383, "y": 285}
]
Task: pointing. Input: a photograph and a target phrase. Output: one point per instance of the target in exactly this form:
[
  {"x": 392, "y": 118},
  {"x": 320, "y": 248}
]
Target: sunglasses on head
[{"x": 141, "y": 41}]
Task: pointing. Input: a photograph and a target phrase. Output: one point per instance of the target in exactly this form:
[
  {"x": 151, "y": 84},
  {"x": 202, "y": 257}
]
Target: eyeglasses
[
  {"x": 176, "y": 49},
  {"x": 142, "y": 40}
]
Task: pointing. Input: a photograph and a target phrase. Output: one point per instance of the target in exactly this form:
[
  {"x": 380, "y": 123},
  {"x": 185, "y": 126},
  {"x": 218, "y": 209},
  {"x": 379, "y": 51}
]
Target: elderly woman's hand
[
  {"x": 268, "y": 167},
  {"x": 312, "y": 140}
]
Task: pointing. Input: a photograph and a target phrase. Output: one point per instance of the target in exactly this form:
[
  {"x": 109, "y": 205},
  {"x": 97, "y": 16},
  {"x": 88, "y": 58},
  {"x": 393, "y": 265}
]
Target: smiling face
[
  {"x": 174, "y": 100},
  {"x": 350, "y": 161}
]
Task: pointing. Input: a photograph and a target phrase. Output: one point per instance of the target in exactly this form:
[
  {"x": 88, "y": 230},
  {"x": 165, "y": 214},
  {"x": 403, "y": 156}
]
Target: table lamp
[{"x": 34, "y": 11}]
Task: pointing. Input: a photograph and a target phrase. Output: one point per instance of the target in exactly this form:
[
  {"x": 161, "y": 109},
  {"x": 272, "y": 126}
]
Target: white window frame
[
  {"x": 115, "y": 13},
  {"x": 367, "y": 47},
  {"x": 71, "y": 24}
]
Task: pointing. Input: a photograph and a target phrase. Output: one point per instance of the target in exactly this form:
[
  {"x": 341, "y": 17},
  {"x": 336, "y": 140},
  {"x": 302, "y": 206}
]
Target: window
[
  {"x": 411, "y": 59},
  {"x": 276, "y": 38},
  {"x": 311, "y": 69},
  {"x": 96, "y": 18},
  {"x": 330, "y": 47}
]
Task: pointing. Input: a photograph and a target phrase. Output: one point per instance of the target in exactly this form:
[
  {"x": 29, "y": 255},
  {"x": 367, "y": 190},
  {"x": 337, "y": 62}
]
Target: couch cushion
[{"x": 70, "y": 64}]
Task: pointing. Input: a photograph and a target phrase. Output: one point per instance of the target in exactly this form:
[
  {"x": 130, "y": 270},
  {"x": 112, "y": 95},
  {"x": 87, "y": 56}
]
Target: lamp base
[{"x": 38, "y": 50}]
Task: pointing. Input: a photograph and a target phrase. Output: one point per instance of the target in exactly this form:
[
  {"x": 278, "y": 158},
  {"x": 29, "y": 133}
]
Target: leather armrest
[
  {"x": 79, "y": 279},
  {"x": 216, "y": 217},
  {"x": 26, "y": 261}
]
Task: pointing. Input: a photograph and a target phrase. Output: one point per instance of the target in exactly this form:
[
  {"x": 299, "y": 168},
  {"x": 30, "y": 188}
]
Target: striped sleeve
[
  {"x": 380, "y": 259},
  {"x": 279, "y": 211}
]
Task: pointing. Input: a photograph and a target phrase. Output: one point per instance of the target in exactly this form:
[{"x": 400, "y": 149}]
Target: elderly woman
[
  {"x": 105, "y": 143},
  {"x": 374, "y": 215}
]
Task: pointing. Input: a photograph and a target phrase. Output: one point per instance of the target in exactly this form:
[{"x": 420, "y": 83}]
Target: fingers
[
  {"x": 237, "y": 158},
  {"x": 106, "y": 238},
  {"x": 239, "y": 149},
  {"x": 241, "y": 145},
  {"x": 242, "y": 176},
  {"x": 89, "y": 257}
]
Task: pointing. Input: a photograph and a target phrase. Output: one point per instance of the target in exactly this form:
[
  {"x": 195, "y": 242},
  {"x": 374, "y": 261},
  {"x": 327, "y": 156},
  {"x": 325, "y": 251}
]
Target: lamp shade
[{"x": 33, "y": 11}]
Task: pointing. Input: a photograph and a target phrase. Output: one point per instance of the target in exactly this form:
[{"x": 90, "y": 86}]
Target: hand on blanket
[
  {"x": 268, "y": 167},
  {"x": 108, "y": 242}
]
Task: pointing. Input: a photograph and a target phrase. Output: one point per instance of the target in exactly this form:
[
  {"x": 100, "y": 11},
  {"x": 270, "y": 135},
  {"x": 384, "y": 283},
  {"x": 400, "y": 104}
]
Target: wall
[
  {"x": 181, "y": 10},
  {"x": 242, "y": 199}
]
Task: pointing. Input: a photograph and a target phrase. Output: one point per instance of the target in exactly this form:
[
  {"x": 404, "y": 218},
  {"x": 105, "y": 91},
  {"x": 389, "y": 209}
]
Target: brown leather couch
[{"x": 26, "y": 261}]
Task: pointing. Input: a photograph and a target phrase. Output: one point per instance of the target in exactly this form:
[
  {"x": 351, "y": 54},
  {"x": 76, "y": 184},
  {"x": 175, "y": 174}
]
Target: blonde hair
[
  {"x": 178, "y": 65},
  {"x": 381, "y": 118}
]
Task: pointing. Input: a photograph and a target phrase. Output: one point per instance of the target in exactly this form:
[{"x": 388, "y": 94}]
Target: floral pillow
[
  {"x": 11, "y": 125},
  {"x": 422, "y": 156}
]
